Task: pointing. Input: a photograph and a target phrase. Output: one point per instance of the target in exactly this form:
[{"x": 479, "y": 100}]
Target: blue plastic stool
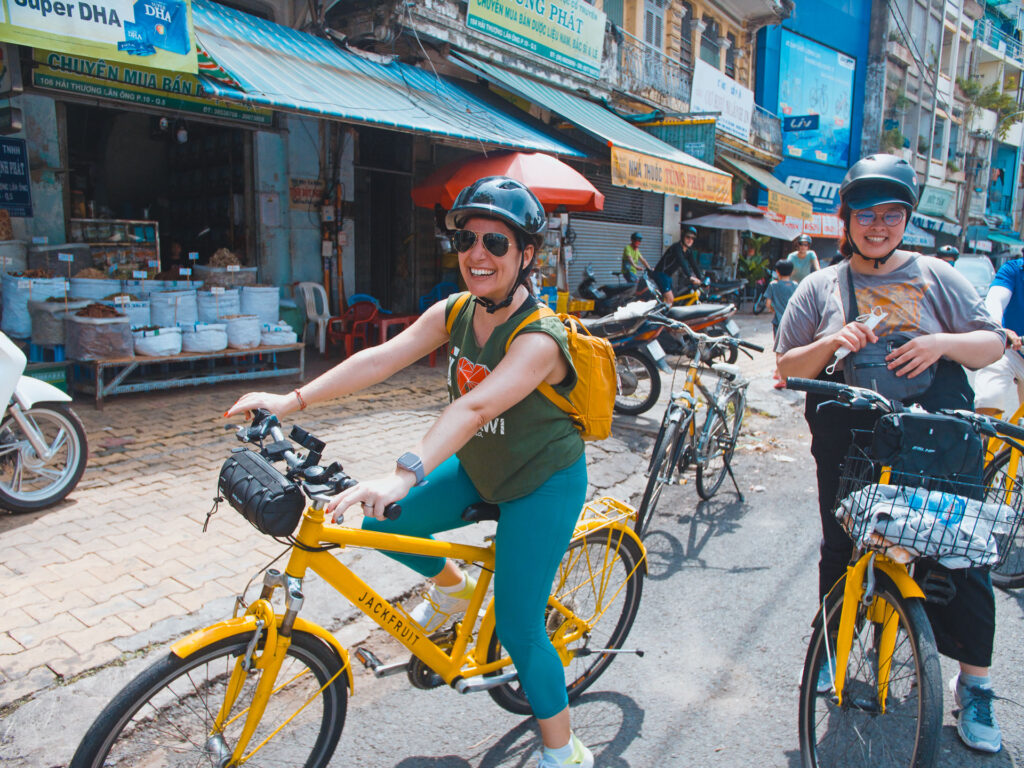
[{"x": 46, "y": 353}]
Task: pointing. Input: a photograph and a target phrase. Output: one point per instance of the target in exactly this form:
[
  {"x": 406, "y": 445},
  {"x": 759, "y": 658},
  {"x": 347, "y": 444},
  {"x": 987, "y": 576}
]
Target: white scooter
[{"x": 42, "y": 442}]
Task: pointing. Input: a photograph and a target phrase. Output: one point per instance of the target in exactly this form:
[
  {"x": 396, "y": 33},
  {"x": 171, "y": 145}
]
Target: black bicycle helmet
[
  {"x": 636, "y": 236},
  {"x": 509, "y": 201},
  {"x": 689, "y": 231},
  {"x": 804, "y": 238},
  {"x": 877, "y": 180},
  {"x": 948, "y": 252}
]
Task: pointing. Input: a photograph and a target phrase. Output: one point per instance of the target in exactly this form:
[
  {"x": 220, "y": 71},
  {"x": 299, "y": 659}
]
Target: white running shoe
[
  {"x": 581, "y": 757},
  {"x": 442, "y": 603}
]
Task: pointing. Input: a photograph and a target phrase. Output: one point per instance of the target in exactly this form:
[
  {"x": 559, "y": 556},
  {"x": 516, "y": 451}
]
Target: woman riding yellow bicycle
[{"x": 499, "y": 441}]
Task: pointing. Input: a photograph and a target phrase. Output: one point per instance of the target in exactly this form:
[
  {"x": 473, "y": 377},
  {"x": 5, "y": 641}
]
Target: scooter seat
[
  {"x": 609, "y": 327},
  {"x": 689, "y": 313}
]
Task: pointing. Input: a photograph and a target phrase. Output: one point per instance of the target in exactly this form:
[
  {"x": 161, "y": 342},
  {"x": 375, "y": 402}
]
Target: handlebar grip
[
  {"x": 751, "y": 345},
  {"x": 815, "y": 385},
  {"x": 392, "y": 511},
  {"x": 1009, "y": 429}
]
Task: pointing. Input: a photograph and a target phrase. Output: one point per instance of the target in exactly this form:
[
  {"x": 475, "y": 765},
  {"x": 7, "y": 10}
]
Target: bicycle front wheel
[
  {"x": 598, "y": 582},
  {"x": 661, "y": 469},
  {"x": 858, "y": 732},
  {"x": 1009, "y": 574},
  {"x": 164, "y": 716},
  {"x": 717, "y": 443}
]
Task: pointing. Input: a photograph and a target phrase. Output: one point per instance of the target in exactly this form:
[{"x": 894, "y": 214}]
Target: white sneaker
[
  {"x": 581, "y": 757},
  {"x": 443, "y": 603}
]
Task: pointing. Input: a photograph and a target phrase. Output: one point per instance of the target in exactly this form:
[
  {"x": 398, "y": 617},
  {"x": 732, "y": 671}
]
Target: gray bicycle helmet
[
  {"x": 948, "y": 252},
  {"x": 509, "y": 201},
  {"x": 803, "y": 239},
  {"x": 877, "y": 180}
]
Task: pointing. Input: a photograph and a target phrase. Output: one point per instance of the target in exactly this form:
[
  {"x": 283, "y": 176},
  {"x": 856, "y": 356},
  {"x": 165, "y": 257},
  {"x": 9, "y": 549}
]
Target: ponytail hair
[{"x": 845, "y": 248}]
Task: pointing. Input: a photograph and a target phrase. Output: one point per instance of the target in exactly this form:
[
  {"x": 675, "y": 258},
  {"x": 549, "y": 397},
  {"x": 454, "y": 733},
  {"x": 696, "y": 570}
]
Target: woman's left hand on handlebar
[
  {"x": 279, "y": 405},
  {"x": 374, "y": 495},
  {"x": 916, "y": 356}
]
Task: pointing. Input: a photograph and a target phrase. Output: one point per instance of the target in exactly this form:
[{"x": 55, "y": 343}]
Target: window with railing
[
  {"x": 730, "y": 56},
  {"x": 709, "y": 48},
  {"x": 686, "y": 38}
]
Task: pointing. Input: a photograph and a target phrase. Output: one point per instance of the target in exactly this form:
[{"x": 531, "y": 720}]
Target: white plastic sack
[
  {"x": 204, "y": 337},
  {"x": 93, "y": 288},
  {"x": 243, "y": 331},
  {"x": 48, "y": 320},
  {"x": 160, "y": 342},
  {"x": 137, "y": 311},
  {"x": 171, "y": 308},
  {"x": 17, "y": 292},
  {"x": 262, "y": 301},
  {"x": 277, "y": 334},
  {"x": 142, "y": 288},
  {"x": 213, "y": 306}
]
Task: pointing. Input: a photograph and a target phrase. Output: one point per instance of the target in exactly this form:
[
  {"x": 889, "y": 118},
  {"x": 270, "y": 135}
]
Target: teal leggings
[{"x": 532, "y": 536}]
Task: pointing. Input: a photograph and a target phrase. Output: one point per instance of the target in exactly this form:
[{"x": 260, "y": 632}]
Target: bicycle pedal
[{"x": 369, "y": 660}]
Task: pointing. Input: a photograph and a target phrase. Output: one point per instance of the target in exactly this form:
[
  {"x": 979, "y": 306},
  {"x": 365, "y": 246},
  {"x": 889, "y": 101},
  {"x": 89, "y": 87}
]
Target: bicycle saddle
[{"x": 481, "y": 511}]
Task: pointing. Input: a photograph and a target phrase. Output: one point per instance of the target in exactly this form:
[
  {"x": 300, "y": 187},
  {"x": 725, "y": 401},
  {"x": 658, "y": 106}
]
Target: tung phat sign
[
  {"x": 568, "y": 32},
  {"x": 639, "y": 171},
  {"x": 151, "y": 33}
]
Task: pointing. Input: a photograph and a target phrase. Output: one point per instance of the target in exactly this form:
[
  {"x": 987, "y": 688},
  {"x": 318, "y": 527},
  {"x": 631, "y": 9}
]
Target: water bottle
[{"x": 948, "y": 508}]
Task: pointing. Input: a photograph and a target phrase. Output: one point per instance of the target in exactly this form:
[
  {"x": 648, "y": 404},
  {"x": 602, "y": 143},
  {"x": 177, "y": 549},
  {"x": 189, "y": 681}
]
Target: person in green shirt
[
  {"x": 632, "y": 259},
  {"x": 499, "y": 440}
]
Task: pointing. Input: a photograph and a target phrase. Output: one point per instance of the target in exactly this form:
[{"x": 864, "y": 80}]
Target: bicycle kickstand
[{"x": 736, "y": 485}]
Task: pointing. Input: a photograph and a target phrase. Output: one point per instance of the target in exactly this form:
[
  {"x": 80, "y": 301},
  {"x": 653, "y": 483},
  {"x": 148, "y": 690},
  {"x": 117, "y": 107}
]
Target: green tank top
[{"x": 519, "y": 450}]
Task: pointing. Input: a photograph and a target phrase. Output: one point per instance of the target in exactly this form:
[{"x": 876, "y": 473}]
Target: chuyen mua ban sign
[
  {"x": 151, "y": 33},
  {"x": 568, "y": 32},
  {"x": 173, "y": 91}
]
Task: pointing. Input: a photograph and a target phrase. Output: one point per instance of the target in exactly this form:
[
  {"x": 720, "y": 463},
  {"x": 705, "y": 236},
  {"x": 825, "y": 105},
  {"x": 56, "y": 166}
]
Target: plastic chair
[
  {"x": 357, "y": 324},
  {"x": 314, "y": 298},
  {"x": 440, "y": 291}
]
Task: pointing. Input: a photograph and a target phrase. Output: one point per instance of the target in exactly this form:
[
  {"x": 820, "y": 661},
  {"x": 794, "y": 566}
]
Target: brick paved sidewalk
[{"x": 124, "y": 563}]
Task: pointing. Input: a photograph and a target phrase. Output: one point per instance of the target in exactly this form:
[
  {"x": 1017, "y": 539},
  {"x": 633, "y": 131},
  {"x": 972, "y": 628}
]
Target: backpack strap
[
  {"x": 563, "y": 403},
  {"x": 457, "y": 306}
]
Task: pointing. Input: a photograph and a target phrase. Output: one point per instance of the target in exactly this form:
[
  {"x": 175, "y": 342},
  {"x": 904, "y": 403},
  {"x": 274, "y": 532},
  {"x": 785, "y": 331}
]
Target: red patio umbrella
[{"x": 552, "y": 181}]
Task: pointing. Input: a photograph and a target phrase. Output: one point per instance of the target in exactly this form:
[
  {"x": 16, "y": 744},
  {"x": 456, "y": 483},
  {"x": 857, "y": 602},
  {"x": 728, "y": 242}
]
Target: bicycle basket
[
  {"x": 958, "y": 523},
  {"x": 252, "y": 485}
]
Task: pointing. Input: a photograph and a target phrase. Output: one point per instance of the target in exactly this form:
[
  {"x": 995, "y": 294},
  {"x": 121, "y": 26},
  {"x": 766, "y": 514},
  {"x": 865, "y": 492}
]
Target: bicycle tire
[
  {"x": 718, "y": 441},
  {"x": 659, "y": 471},
  {"x": 117, "y": 738},
  {"x": 639, "y": 383},
  {"x": 760, "y": 303},
  {"x": 857, "y": 733},
  {"x": 1009, "y": 574},
  {"x": 620, "y": 597}
]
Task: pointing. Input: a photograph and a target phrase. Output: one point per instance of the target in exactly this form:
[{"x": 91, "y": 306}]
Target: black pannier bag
[{"x": 264, "y": 497}]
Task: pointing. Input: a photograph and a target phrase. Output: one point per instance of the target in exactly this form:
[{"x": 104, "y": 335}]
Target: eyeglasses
[
  {"x": 495, "y": 242},
  {"x": 890, "y": 218}
]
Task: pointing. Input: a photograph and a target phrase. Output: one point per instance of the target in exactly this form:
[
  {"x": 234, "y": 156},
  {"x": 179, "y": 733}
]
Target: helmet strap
[
  {"x": 876, "y": 261},
  {"x": 491, "y": 307}
]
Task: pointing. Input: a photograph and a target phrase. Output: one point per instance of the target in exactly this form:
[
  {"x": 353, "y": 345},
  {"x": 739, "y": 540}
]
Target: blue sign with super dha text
[{"x": 15, "y": 190}]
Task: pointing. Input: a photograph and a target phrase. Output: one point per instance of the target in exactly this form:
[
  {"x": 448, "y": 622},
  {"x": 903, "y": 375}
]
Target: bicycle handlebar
[
  {"x": 668, "y": 322},
  {"x": 317, "y": 482}
]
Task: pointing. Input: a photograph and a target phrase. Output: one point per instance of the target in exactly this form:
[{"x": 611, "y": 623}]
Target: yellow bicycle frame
[
  {"x": 995, "y": 445},
  {"x": 460, "y": 662},
  {"x": 879, "y": 612}
]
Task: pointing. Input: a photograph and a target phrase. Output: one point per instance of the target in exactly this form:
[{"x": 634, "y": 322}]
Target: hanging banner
[
  {"x": 567, "y": 32},
  {"x": 151, "y": 33},
  {"x": 178, "y": 92},
  {"x": 653, "y": 174},
  {"x": 714, "y": 91},
  {"x": 15, "y": 189}
]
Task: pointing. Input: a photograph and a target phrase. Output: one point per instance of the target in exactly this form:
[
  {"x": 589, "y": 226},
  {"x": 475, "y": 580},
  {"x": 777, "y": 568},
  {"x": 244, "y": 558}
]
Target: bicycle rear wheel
[
  {"x": 717, "y": 443},
  {"x": 662, "y": 467},
  {"x": 858, "y": 733},
  {"x": 164, "y": 716},
  {"x": 1009, "y": 574},
  {"x": 599, "y": 581}
]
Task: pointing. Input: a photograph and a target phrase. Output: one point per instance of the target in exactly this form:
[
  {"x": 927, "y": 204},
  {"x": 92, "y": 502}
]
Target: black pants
[{"x": 964, "y": 628}]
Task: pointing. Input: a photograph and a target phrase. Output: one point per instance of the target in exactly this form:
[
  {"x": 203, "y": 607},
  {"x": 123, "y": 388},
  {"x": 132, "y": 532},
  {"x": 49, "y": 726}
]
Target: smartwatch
[{"x": 411, "y": 462}]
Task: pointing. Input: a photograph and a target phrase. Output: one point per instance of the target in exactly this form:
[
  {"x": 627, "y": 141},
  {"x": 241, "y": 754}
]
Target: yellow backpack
[{"x": 591, "y": 401}]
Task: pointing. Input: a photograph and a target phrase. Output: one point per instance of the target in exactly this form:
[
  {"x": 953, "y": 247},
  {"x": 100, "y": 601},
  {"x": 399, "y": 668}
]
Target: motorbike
[
  {"x": 724, "y": 290},
  {"x": 637, "y": 354},
  {"x": 43, "y": 448}
]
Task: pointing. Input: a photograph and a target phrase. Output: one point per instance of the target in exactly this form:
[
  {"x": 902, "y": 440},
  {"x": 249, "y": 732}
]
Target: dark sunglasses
[
  {"x": 495, "y": 242},
  {"x": 890, "y": 218}
]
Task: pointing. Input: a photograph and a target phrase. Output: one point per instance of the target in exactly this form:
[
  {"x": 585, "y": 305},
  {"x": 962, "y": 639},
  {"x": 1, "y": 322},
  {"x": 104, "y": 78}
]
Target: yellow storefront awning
[{"x": 781, "y": 199}]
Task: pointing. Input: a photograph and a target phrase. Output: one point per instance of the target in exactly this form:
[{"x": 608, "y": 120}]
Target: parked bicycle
[
  {"x": 1003, "y": 468},
  {"x": 679, "y": 442},
  {"x": 268, "y": 687},
  {"x": 884, "y": 706}
]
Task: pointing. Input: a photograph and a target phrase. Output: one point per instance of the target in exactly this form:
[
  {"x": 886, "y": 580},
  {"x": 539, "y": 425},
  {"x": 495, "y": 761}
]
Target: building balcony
[
  {"x": 766, "y": 131},
  {"x": 645, "y": 71},
  {"x": 1008, "y": 48}
]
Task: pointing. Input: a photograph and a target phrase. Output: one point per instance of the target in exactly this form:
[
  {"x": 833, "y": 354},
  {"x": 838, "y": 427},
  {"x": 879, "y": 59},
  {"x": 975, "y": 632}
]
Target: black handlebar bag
[
  {"x": 252, "y": 485},
  {"x": 928, "y": 445}
]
